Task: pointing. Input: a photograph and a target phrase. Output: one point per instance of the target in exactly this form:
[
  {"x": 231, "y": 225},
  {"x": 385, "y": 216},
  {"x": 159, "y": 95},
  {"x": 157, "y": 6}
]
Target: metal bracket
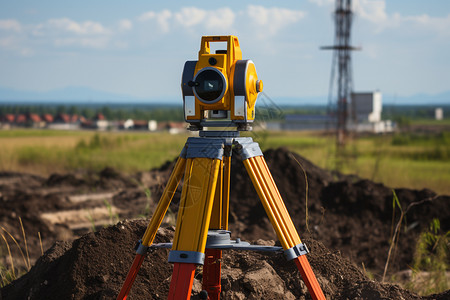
[
  {"x": 219, "y": 134},
  {"x": 141, "y": 249},
  {"x": 189, "y": 257},
  {"x": 204, "y": 147},
  {"x": 296, "y": 251},
  {"x": 247, "y": 148},
  {"x": 218, "y": 239}
]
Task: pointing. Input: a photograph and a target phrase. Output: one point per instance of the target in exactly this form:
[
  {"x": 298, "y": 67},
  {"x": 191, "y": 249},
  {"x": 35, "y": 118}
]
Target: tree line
[{"x": 169, "y": 113}]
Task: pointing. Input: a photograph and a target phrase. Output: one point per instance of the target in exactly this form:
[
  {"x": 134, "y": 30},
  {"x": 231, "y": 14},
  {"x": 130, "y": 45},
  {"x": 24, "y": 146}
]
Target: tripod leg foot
[{"x": 181, "y": 283}]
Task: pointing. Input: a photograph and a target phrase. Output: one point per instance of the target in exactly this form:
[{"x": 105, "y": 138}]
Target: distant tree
[
  {"x": 121, "y": 114},
  {"x": 87, "y": 113},
  {"x": 73, "y": 110},
  {"x": 61, "y": 109},
  {"x": 107, "y": 112}
]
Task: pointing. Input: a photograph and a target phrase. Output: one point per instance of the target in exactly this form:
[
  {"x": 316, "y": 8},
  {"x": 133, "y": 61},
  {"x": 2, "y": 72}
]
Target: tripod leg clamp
[
  {"x": 141, "y": 249},
  {"x": 247, "y": 148},
  {"x": 189, "y": 257},
  {"x": 296, "y": 251}
]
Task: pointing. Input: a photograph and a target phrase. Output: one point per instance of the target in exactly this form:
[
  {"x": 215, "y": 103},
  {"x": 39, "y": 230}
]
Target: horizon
[{"x": 166, "y": 104}]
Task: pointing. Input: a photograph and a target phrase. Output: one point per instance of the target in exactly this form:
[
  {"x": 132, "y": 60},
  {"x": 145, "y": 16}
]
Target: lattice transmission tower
[{"x": 340, "y": 90}]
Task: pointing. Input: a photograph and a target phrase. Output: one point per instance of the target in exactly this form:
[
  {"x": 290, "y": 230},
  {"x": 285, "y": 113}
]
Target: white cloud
[
  {"x": 65, "y": 32},
  {"x": 272, "y": 20},
  {"x": 69, "y": 26},
  {"x": 372, "y": 10},
  {"x": 10, "y": 25},
  {"x": 440, "y": 26},
  {"x": 162, "y": 18},
  {"x": 65, "y": 26},
  {"x": 190, "y": 16},
  {"x": 86, "y": 42},
  {"x": 220, "y": 19},
  {"x": 322, "y": 2},
  {"x": 11, "y": 37},
  {"x": 255, "y": 20},
  {"x": 7, "y": 42},
  {"x": 147, "y": 16},
  {"x": 125, "y": 25}
]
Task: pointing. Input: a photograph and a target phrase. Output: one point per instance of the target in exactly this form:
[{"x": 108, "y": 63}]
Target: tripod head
[{"x": 220, "y": 89}]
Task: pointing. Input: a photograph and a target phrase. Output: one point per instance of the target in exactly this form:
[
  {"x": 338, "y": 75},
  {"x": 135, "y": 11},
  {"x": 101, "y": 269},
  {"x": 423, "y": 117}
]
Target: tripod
[{"x": 202, "y": 223}]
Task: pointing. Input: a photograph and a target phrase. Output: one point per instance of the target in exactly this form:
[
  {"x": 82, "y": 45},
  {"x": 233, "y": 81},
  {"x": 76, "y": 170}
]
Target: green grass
[
  {"x": 9, "y": 272},
  {"x": 16, "y": 133},
  {"x": 446, "y": 121},
  {"x": 407, "y": 160},
  {"x": 431, "y": 261},
  {"x": 419, "y": 161},
  {"x": 43, "y": 153}
]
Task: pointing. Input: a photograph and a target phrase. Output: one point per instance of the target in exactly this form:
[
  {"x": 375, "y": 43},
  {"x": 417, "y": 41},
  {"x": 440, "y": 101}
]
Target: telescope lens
[{"x": 210, "y": 85}]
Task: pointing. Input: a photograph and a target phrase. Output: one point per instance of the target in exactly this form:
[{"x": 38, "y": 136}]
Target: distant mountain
[
  {"x": 88, "y": 95},
  {"x": 418, "y": 99},
  {"x": 73, "y": 93}
]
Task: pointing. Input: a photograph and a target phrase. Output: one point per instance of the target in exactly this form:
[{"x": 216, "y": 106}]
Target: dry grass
[{"x": 409, "y": 164}]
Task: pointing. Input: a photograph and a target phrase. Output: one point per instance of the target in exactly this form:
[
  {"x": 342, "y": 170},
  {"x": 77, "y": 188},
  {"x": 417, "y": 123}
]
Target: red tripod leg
[
  {"x": 307, "y": 273},
  {"x": 211, "y": 273},
  {"x": 153, "y": 226},
  {"x": 181, "y": 283},
  {"x": 138, "y": 259}
]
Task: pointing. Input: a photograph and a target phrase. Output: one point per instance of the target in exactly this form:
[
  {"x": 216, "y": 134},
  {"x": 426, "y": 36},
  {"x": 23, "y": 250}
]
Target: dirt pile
[
  {"x": 63, "y": 206},
  {"x": 95, "y": 266},
  {"x": 351, "y": 216},
  {"x": 347, "y": 214}
]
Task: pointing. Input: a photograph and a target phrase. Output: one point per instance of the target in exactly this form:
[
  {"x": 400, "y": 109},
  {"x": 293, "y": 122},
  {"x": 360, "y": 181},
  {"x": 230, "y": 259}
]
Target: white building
[
  {"x": 367, "y": 107},
  {"x": 439, "y": 114},
  {"x": 152, "y": 125},
  {"x": 128, "y": 124},
  {"x": 366, "y": 113}
]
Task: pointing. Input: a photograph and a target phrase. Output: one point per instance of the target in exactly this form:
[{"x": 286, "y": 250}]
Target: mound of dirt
[
  {"x": 108, "y": 178},
  {"x": 346, "y": 213},
  {"x": 61, "y": 207},
  {"x": 95, "y": 266},
  {"x": 351, "y": 216}
]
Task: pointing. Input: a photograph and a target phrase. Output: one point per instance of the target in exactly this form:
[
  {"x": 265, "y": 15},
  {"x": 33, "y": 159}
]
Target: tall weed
[{"x": 432, "y": 256}]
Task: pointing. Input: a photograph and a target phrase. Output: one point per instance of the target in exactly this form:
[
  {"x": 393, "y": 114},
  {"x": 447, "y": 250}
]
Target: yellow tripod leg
[
  {"x": 271, "y": 199},
  {"x": 153, "y": 226},
  {"x": 219, "y": 221},
  {"x": 195, "y": 209},
  {"x": 282, "y": 223},
  {"x": 226, "y": 190},
  {"x": 216, "y": 213},
  {"x": 164, "y": 202},
  {"x": 194, "y": 216}
]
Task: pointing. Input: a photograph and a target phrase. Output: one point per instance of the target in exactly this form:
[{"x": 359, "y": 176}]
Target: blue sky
[{"x": 138, "y": 48}]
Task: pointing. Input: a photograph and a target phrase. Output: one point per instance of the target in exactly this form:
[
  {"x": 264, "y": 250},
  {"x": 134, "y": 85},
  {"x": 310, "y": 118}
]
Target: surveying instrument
[{"x": 219, "y": 95}]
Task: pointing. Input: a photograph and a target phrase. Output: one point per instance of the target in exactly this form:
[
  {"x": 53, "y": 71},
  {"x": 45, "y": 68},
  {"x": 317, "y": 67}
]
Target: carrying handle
[{"x": 232, "y": 42}]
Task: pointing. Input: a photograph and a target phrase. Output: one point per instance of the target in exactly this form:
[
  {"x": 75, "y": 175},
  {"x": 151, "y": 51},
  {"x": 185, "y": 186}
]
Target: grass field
[{"x": 410, "y": 160}]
